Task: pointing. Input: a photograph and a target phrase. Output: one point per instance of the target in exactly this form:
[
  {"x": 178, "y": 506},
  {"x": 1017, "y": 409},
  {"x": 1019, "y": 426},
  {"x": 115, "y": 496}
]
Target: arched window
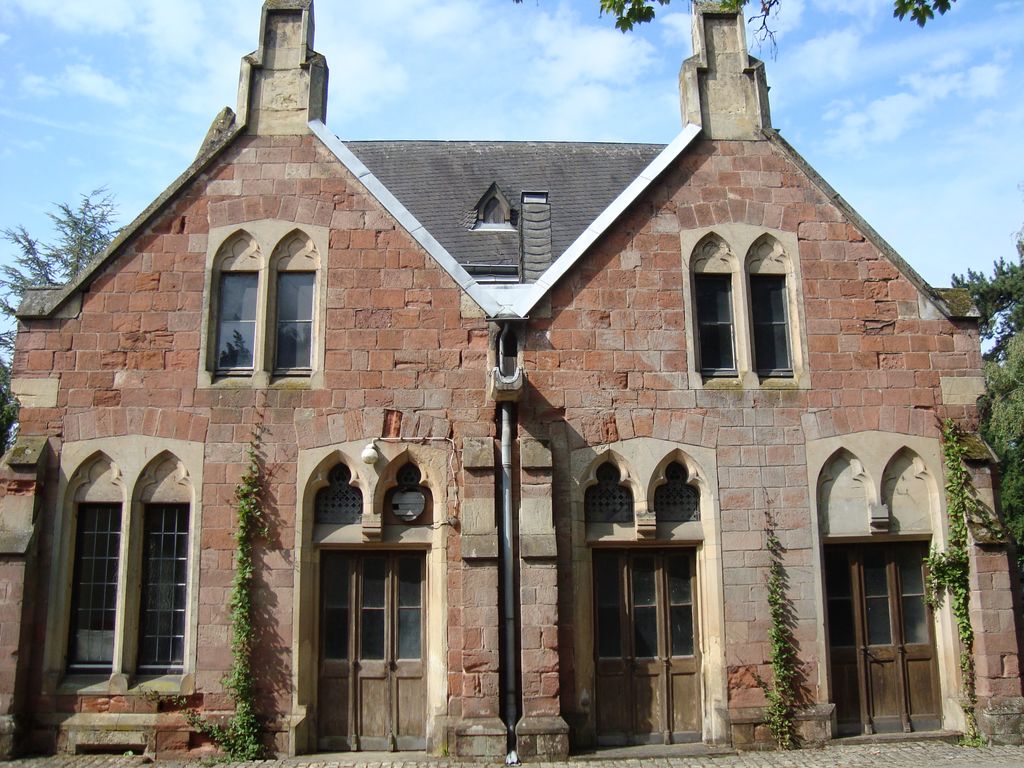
[
  {"x": 295, "y": 264},
  {"x": 713, "y": 268},
  {"x": 608, "y": 501},
  {"x": 339, "y": 502},
  {"x": 265, "y": 299},
  {"x": 768, "y": 268},
  {"x": 95, "y": 567},
  {"x": 237, "y": 277},
  {"x": 408, "y": 500},
  {"x": 676, "y": 501}
]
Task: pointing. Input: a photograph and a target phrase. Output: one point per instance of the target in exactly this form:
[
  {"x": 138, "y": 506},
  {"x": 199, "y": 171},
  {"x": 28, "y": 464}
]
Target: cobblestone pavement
[{"x": 889, "y": 755}]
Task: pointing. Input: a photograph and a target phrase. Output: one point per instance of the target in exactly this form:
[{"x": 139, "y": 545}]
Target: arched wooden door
[
  {"x": 647, "y": 660},
  {"x": 881, "y": 639},
  {"x": 372, "y": 686}
]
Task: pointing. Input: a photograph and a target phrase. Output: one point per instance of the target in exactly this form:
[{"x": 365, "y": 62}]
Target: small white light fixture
[{"x": 370, "y": 454}]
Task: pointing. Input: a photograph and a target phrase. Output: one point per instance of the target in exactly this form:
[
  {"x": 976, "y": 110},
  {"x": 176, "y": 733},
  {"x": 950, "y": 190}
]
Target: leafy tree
[
  {"x": 1003, "y": 427},
  {"x": 81, "y": 233},
  {"x": 629, "y": 13},
  {"x": 1000, "y": 300},
  {"x": 8, "y": 408}
]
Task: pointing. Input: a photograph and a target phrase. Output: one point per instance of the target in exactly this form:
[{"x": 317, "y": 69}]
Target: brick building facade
[{"x": 524, "y": 409}]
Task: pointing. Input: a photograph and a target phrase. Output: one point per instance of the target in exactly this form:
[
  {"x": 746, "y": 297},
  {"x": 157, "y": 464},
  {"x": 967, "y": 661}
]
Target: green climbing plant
[
  {"x": 240, "y": 737},
  {"x": 782, "y": 694},
  {"x": 949, "y": 571}
]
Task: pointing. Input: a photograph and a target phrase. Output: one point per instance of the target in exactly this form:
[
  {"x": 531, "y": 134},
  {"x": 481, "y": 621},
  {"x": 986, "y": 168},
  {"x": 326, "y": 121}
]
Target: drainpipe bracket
[{"x": 505, "y": 389}]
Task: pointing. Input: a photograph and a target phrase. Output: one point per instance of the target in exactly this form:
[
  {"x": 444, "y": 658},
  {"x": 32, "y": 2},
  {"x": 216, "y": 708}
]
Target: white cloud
[
  {"x": 985, "y": 81},
  {"x": 440, "y": 20},
  {"x": 862, "y": 9},
  {"x": 570, "y": 55},
  {"x": 85, "y": 81},
  {"x": 788, "y": 17},
  {"x": 82, "y": 15},
  {"x": 37, "y": 85},
  {"x": 4, "y": 38},
  {"x": 370, "y": 74},
  {"x": 887, "y": 118},
  {"x": 828, "y": 58},
  {"x": 675, "y": 29}
]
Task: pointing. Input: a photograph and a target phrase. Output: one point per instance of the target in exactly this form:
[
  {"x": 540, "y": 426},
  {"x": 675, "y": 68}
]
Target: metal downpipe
[{"x": 508, "y": 563}]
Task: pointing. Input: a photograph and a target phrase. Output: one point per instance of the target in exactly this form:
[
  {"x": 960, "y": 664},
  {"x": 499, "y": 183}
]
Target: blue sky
[{"x": 921, "y": 130}]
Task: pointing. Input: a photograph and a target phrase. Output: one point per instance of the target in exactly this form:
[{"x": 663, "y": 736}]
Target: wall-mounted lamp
[{"x": 370, "y": 455}]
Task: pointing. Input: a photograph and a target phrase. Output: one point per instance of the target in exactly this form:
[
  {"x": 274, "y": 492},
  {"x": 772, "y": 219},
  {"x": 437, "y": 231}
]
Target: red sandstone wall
[
  {"x": 610, "y": 361},
  {"x": 395, "y": 339}
]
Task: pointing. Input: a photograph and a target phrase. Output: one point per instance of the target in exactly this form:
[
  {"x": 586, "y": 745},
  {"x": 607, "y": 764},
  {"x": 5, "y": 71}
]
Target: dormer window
[{"x": 493, "y": 212}]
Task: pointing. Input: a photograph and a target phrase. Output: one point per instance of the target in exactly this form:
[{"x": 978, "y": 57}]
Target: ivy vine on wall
[
  {"x": 949, "y": 571},
  {"x": 782, "y": 694},
  {"x": 241, "y": 736}
]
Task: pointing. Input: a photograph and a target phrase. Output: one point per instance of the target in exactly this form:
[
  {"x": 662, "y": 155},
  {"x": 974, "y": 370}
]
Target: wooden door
[
  {"x": 881, "y": 639},
  {"x": 372, "y": 688},
  {"x": 647, "y": 687}
]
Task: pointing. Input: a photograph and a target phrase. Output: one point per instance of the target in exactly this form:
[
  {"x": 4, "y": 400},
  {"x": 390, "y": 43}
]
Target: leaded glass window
[
  {"x": 340, "y": 502},
  {"x": 608, "y": 501},
  {"x": 236, "y": 321},
  {"x": 94, "y": 588},
  {"x": 715, "y": 324},
  {"x": 294, "y": 320},
  {"x": 164, "y": 589},
  {"x": 676, "y": 501},
  {"x": 771, "y": 325}
]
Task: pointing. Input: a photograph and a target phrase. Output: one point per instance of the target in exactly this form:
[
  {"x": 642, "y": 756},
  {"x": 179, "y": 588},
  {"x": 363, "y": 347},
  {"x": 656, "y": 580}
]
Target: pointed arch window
[
  {"x": 713, "y": 268},
  {"x": 340, "y": 502},
  {"x": 676, "y": 501},
  {"x": 130, "y": 569},
  {"x": 94, "y": 588},
  {"x": 608, "y": 500},
  {"x": 409, "y": 499},
  {"x": 768, "y": 267},
  {"x": 493, "y": 211},
  {"x": 265, "y": 310}
]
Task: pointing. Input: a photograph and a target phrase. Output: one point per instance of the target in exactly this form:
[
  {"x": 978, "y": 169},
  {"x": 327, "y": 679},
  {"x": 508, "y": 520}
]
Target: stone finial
[
  {"x": 283, "y": 84},
  {"x": 722, "y": 87}
]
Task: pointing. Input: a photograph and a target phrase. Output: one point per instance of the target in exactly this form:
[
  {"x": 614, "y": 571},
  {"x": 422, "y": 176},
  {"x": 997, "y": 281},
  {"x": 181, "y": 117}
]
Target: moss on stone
[{"x": 959, "y": 301}]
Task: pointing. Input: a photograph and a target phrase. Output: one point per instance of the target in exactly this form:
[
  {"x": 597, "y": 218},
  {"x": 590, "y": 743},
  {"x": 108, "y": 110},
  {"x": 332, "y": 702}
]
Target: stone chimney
[
  {"x": 283, "y": 84},
  {"x": 722, "y": 88}
]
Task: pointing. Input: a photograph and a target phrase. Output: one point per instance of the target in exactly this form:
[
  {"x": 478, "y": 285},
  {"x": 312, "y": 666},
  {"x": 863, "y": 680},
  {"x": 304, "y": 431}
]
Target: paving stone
[{"x": 891, "y": 755}]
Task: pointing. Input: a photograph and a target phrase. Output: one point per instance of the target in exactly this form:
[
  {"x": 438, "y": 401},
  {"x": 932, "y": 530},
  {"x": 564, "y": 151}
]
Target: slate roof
[{"x": 441, "y": 182}]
